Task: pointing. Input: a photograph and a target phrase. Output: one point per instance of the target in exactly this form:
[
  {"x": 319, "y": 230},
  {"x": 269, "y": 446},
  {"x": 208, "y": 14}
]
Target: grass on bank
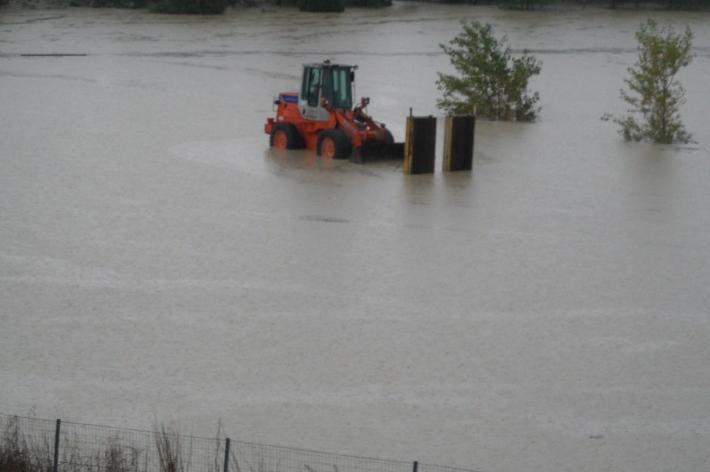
[{"x": 24, "y": 450}]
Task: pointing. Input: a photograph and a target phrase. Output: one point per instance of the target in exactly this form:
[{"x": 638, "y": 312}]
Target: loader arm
[{"x": 357, "y": 124}]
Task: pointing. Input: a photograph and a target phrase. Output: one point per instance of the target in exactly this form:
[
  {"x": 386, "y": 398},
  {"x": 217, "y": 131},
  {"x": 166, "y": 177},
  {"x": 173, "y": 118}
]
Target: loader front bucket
[{"x": 371, "y": 151}]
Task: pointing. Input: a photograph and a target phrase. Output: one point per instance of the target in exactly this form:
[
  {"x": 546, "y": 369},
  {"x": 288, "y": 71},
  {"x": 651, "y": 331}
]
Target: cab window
[
  {"x": 342, "y": 91},
  {"x": 311, "y": 85}
]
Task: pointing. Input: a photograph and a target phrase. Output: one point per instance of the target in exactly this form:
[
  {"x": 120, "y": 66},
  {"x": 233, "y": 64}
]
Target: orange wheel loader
[{"x": 322, "y": 118}]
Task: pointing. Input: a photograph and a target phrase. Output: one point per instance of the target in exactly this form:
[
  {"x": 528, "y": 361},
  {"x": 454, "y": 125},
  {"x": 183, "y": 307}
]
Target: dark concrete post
[
  {"x": 459, "y": 134},
  {"x": 420, "y": 145},
  {"x": 416, "y": 466}
]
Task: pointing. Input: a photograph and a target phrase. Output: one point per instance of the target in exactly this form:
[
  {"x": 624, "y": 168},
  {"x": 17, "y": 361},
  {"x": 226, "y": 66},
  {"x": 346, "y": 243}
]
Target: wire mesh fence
[
  {"x": 439, "y": 468},
  {"x": 26, "y": 444},
  {"x": 41, "y": 445},
  {"x": 92, "y": 448},
  {"x": 250, "y": 457}
]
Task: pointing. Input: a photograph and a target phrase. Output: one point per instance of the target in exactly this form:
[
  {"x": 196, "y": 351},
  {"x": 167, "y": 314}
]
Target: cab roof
[{"x": 327, "y": 63}]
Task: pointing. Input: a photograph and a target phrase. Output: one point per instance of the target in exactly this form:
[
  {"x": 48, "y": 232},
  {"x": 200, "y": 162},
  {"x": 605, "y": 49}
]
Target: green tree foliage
[
  {"x": 670, "y": 4},
  {"x": 197, "y": 7},
  {"x": 116, "y": 3},
  {"x": 655, "y": 95},
  {"x": 523, "y": 4},
  {"x": 490, "y": 82},
  {"x": 368, "y": 3},
  {"x": 321, "y": 5},
  {"x": 332, "y": 5}
]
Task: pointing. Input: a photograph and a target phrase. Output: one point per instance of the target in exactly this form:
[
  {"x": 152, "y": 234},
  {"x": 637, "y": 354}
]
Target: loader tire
[
  {"x": 285, "y": 136},
  {"x": 334, "y": 144}
]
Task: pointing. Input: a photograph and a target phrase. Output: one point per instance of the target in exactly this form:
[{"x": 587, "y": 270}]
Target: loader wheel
[
  {"x": 334, "y": 144},
  {"x": 285, "y": 136}
]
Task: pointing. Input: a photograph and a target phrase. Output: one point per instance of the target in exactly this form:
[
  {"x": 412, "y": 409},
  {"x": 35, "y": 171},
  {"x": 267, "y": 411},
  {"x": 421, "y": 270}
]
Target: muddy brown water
[{"x": 548, "y": 311}]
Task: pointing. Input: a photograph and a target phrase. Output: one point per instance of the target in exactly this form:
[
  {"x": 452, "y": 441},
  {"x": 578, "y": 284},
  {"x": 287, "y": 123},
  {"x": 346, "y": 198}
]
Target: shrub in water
[
  {"x": 490, "y": 82},
  {"x": 655, "y": 95}
]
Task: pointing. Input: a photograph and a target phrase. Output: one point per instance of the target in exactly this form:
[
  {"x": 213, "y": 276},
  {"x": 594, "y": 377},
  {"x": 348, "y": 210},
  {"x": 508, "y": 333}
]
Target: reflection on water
[{"x": 298, "y": 159}]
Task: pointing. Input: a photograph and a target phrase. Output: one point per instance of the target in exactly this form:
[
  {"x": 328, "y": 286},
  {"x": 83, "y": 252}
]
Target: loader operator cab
[{"x": 333, "y": 82}]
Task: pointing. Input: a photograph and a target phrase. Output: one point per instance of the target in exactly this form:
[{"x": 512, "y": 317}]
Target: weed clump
[{"x": 19, "y": 453}]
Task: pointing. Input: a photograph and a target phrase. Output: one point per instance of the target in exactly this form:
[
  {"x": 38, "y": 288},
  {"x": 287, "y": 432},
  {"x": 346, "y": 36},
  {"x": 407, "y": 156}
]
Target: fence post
[
  {"x": 416, "y": 466},
  {"x": 226, "y": 455},
  {"x": 55, "y": 466}
]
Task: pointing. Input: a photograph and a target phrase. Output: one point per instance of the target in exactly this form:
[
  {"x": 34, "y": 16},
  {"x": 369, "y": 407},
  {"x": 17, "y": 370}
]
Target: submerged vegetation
[
  {"x": 655, "y": 95},
  {"x": 489, "y": 81}
]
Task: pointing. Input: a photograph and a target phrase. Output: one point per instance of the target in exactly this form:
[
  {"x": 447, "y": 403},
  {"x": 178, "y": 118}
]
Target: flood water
[{"x": 548, "y": 311}]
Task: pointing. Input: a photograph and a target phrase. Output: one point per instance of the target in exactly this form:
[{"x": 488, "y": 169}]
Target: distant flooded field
[{"x": 548, "y": 311}]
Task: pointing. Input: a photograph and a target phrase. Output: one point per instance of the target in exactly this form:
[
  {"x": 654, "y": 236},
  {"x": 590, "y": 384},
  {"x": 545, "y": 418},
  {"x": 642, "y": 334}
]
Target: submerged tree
[
  {"x": 655, "y": 95},
  {"x": 490, "y": 82}
]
